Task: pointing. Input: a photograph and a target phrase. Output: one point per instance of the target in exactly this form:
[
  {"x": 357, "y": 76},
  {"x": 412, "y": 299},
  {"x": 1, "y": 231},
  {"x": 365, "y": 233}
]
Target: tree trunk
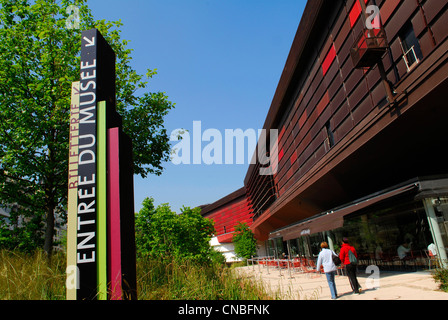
[
  {"x": 49, "y": 231},
  {"x": 50, "y": 201}
]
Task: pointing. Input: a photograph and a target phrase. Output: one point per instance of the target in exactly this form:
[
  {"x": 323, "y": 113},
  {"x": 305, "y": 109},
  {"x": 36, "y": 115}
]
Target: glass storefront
[
  {"x": 437, "y": 211},
  {"x": 378, "y": 234},
  {"x": 441, "y": 211},
  {"x": 394, "y": 235},
  {"x": 276, "y": 248},
  {"x": 307, "y": 246}
]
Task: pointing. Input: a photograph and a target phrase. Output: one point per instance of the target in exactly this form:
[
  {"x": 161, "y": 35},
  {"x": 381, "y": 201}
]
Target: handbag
[
  {"x": 352, "y": 258},
  {"x": 336, "y": 260}
]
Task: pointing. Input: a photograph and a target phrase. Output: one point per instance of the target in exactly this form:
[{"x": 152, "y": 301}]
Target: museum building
[{"x": 360, "y": 109}]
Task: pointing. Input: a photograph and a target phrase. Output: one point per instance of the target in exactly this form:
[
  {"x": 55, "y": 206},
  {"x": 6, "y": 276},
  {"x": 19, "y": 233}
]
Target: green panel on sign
[{"x": 102, "y": 201}]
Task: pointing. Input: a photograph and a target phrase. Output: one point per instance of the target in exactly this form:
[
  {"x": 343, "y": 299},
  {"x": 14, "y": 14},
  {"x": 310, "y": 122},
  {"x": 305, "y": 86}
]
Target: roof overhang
[{"x": 420, "y": 187}]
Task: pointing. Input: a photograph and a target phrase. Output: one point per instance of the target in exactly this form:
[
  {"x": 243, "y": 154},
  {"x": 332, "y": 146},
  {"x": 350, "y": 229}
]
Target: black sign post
[
  {"x": 101, "y": 210},
  {"x": 97, "y": 83}
]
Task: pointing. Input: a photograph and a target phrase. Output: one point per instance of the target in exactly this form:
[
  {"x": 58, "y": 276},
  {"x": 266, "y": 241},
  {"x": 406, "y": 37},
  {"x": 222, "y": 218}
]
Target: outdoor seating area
[
  {"x": 293, "y": 284},
  {"x": 416, "y": 261},
  {"x": 297, "y": 265},
  {"x": 300, "y": 265}
]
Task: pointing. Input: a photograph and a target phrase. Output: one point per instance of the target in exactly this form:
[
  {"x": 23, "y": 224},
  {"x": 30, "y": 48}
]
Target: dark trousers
[{"x": 351, "y": 274}]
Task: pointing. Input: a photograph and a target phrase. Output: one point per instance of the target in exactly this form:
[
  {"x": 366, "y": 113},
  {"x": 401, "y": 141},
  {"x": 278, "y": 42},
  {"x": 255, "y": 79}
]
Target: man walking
[{"x": 349, "y": 258}]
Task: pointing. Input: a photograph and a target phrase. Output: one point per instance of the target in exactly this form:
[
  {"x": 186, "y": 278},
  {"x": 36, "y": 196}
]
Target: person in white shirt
[
  {"x": 378, "y": 252},
  {"x": 403, "y": 250},
  {"x": 325, "y": 259},
  {"x": 432, "y": 250}
]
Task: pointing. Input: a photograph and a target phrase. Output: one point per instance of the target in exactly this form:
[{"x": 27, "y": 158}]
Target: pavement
[{"x": 285, "y": 284}]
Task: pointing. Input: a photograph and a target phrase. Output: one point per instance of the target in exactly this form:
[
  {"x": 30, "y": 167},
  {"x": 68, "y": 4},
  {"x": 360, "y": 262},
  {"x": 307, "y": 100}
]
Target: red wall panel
[
  {"x": 227, "y": 216},
  {"x": 331, "y": 56},
  {"x": 355, "y": 12}
]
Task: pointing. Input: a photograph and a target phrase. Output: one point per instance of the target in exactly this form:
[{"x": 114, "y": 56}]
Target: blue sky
[{"x": 220, "y": 62}]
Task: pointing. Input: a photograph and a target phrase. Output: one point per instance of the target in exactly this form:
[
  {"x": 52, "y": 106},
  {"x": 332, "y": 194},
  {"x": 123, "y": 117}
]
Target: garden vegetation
[{"x": 174, "y": 262}]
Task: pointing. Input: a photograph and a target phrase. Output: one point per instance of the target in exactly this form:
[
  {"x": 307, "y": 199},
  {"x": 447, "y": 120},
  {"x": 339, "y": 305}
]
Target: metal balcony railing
[{"x": 369, "y": 48}]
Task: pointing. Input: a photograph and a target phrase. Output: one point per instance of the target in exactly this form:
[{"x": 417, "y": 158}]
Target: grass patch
[
  {"x": 188, "y": 281},
  {"x": 29, "y": 277}
]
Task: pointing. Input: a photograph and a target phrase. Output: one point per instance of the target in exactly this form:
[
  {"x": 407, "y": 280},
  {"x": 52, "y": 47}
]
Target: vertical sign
[
  {"x": 101, "y": 236},
  {"x": 87, "y": 170},
  {"x": 97, "y": 91},
  {"x": 72, "y": 206}
]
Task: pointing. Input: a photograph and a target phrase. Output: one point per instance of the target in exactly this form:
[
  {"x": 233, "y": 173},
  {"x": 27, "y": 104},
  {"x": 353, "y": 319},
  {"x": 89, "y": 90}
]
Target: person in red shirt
[{"x": 350, "y": 267}]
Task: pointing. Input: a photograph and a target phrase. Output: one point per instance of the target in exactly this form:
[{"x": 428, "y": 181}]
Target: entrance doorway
[{"x": 437, "y": 212}]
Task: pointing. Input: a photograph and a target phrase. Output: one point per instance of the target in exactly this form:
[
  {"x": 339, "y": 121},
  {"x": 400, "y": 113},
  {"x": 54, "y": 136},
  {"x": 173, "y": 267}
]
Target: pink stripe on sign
[{"x": 113, "y": 206}]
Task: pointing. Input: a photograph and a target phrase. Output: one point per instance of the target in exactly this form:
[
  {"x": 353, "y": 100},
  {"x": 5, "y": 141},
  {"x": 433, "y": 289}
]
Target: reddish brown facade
[
  {"x": 346, "y": 132},
  {"x": 340, "y": 137},
  {"x": 227, "y": 213}
]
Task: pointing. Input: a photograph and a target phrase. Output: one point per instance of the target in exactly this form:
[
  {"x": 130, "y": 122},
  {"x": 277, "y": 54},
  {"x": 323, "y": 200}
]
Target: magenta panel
[{"x": 113, "y": 182}]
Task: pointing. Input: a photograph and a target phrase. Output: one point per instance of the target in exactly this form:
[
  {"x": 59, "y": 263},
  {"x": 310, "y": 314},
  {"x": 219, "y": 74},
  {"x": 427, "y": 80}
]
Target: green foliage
[
  {"x": 163, "y": 234},
  {"x": 244, "y": 241},
  {"x": 39, "y": 59},
  {"x": 441, "y": 276},
  {"x": 217, "y": 258},
  {"x": 19, "y": 234}
]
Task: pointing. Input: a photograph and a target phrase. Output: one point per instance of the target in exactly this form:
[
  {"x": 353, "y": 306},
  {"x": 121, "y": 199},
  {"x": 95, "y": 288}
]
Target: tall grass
[
  {"x": 29, "y": 277},
  {"x": 159, "y": 280}
]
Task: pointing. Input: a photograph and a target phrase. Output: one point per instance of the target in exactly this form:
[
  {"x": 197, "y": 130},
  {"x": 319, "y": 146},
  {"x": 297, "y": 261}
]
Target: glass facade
[
  {"x": 276, "y": 248},
  {"x": 395, "y": 235},
  {"x": 437, "y": 211},
  {"x": 379, "y": 234},
  {"x": 441, "y": 210}
]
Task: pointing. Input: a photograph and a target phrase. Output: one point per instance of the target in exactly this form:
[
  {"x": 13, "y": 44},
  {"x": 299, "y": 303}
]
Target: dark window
[
  {"x": 330, "y": 136},
  {"x": 412, "y": 53}
]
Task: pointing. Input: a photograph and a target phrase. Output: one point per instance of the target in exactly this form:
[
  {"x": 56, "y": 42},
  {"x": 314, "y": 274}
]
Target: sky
[{"x": 220, "y": 62}]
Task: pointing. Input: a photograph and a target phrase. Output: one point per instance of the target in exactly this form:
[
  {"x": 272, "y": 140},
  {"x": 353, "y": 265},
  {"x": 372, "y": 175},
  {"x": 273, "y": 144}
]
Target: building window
[
  {"x": 412, "y": 53},
  {"x": 330, "y": 135}
]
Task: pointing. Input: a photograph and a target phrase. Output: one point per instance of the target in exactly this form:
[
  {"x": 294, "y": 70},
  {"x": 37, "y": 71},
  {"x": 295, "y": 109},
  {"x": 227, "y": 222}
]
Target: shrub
[
  {"x": 163, "y": 234},
  {"x": 441, "y": 276},
  {"x": 244, "y": 241}
]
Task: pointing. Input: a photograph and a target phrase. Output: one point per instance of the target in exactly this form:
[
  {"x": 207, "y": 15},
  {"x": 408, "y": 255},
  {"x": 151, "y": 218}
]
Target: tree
[
  {"x": 16, "y": 234},
  {"x": 163, "y": 234},
  {"x": 39, "y": 59},
  {"x": 244, "y": 241}
]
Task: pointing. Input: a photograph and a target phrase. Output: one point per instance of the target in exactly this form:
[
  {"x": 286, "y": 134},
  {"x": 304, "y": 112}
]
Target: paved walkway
[{"x": 391, "y": 285}]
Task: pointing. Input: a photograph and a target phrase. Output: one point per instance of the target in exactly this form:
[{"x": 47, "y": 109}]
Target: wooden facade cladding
[
  {"x": 325, "y": 95},
  {"x": 227, "y": 213},
  {"x": 339, "y": 137}
]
